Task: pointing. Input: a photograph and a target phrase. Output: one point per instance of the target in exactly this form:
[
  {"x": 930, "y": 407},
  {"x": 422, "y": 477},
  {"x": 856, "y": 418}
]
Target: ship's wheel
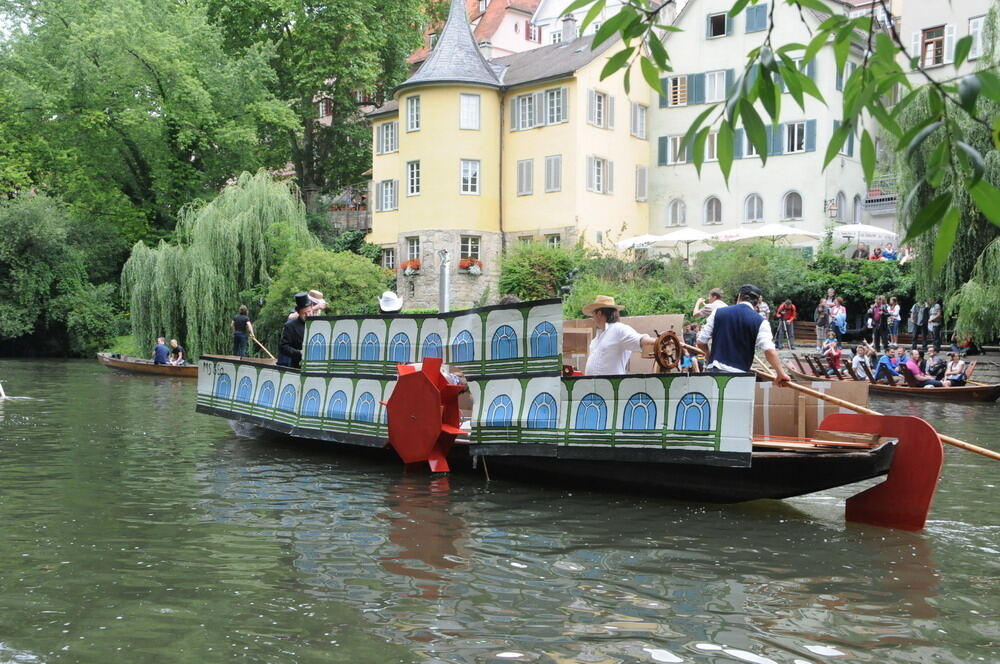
[
  {"x": 423, "y": 414},
  {"x": 667, "y": 351}
]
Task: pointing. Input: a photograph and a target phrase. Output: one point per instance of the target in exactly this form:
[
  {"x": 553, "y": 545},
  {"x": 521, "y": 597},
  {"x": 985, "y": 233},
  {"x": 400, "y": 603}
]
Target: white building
[
  {"x": 550, "y": 14},
  {"x": 934, "y": 28}
]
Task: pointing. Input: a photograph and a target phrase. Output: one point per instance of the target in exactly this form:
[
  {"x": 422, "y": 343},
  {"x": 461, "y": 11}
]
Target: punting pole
[{"x": 263, "y": 347}]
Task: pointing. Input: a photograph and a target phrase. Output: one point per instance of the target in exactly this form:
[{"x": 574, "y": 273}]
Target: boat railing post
[
  {"x": 3, "y": 395},
  {"x": 444, "y": 296}
]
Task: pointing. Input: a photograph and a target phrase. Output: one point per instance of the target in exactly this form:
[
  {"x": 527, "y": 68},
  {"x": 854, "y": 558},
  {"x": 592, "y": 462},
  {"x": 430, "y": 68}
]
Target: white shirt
[
  {"x": 611, "y": 349},
  {"x": 765, "y": 341},
  {"x": 856, "y": 363}
]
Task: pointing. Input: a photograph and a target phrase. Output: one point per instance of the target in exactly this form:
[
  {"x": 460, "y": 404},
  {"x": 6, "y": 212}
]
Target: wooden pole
[{"x": 263, "y": 347}]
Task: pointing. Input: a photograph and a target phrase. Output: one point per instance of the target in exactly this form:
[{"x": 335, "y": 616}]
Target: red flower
[
  {"x": 413, "y": 264},
  {"x": 466, "y": 263}
]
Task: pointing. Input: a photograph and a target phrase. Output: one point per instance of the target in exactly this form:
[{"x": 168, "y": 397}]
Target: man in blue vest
[{"x": 735, "y": 332}]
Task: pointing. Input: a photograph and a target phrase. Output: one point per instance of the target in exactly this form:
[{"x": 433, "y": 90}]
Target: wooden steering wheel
[{"x": 667, "y": 351}]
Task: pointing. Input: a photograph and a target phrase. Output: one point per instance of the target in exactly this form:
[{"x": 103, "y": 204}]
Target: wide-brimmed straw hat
[
  {"x": 601, "y": 302},
  {"x": 317, "y": 299},
  {"x": 390, "y": 302}
]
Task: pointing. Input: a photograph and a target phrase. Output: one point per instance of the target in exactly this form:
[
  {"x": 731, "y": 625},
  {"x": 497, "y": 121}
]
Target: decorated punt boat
[
  {"x": 687, "y": 436},
  {"x": 140, "y": 365}
]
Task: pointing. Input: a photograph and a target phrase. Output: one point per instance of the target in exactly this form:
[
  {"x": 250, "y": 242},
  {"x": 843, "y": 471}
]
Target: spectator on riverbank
[
  {"x": 831, "y": 298},
  {"x": 703, "y": 309},
  {"x": 877, "y": 255},
  {"x": 894, "y": 319},
  {"x": 822, "y": 319},
  {"x": 838, "y": 318},
  {"x": 786, "y": 315},
  {"x": 764, "y": 309},
  {"x": 888, "y": 253},
  {"x": 935, "y": 317},
  {"x": 860, "y": 252},
  {"x": 878, "y": 323},
  {"x": 918, "y": 323}
]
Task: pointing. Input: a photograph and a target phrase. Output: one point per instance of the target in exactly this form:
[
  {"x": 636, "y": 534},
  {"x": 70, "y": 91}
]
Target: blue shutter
[
  {"x": 811, "y": 69},
  {"x": 776, "y": 134},
  {"x": 779, "y": 82},
  {"x": 661, "y": 150},
  {"x": 810, "y": 135},
  {"x": 696, "y": 85},
  {"x": 840, "y": 79},
  {"x": 730, "y": 76},
  {"x": 850, "y": 144},
  {"x": 663, "y": 93},
  {"x": 729, "y": 24},
  {"x": 738, "y": 144},
  {"x": 756, "y": 18}
]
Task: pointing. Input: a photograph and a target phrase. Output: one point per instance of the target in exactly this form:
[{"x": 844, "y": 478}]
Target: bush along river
[{"x": 135, "y": 530}]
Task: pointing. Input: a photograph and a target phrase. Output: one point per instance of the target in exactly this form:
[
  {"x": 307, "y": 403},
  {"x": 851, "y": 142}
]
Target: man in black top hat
[
  {"x": 736, "y": 332},
  {"x": 293, "y": 333}
]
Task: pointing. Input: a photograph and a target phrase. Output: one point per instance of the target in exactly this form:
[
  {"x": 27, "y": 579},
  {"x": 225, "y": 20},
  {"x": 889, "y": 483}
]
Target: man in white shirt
[
  {"x": 614, "y": 341},
  {"x": 704, "y": 309}
]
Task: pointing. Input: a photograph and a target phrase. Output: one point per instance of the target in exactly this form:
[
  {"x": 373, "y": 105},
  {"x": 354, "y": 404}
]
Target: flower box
[
  {"x": 473, "y": 266},
  {"x": 410, "y": 267}
]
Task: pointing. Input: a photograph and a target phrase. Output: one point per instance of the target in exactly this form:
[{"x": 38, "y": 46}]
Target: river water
[{"x": 135, "y": 530}]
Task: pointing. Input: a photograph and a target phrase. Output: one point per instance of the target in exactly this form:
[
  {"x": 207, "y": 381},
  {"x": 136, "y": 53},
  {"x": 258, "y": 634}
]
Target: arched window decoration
[
  {"x": 753, "y": 209},
  {"x": 316, "y": 350},
  {"x": 857, "y": 209},
  {"x": 592, "y": 413},
  {"x": 677, "y": 213},
  {"x": 694, "y": 413},
  {"x": 504, "y": 345},
  {"x": 223, "y": 386},
  {"x": 342, "y": 347},
  {"x": 266, "y": 396},
  {"x": 336, "y": 407},
  {"x": 364, "y": 411},
  {"x": 543, "y": 412},
  {"x": 432, "y": 346},
  {"x": 791, "y": 206},
  {"x": 713, "y": 210},
  {"x": 311, "y": 403},
  {"x": 841, "y": 206},
  {"x": 544, "y": 341},
  {"x": 399, "y": 348},
  {"x": 370, "y": 348},
  {"x": 463, "y": 349},
  {"x": 501, "y": 412},
  {"x": 640, "y": 412},
  {"x": 244, "y": 391},
  {"x": 286, "y": 401}
]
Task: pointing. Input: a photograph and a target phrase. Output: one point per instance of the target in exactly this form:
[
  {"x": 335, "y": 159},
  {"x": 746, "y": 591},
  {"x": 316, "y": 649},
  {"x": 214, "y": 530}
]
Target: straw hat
[
  {"x": 318, "y": 302},
  {"x": 601, "y": 302}
]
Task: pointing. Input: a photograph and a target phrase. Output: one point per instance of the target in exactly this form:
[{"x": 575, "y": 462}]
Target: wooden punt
[
  {"x": 984, "y": 393},
  {"x": 140, "y": 365}
]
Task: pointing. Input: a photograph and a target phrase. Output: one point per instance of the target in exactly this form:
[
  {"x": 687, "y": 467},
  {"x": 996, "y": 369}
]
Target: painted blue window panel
[
  {"x": 501, "y": 412},
  {"x": 223, "y": 386},
  {"x": 311, "y": 403},
  {"x": 286, "y": 401},
  {"x": 244, "y": 391},
  {"x": 592, "y": 413},
  {"x": 543, "y": 340},
  {"x": 266, "y": 396},
  {"x": 694, "y": 413},
  {"x": 463, "y": 349},
  {"x": 504, "y": 345},
  {"x": 432, "y": 346},
  {"x": 399, "y": 348},
  {"x": 336, "y": 408},
  {"x": 370, "y": 348},
  {"x": 640, "y": 412},
  {"x": 543, "y": 412},
  {"x": 316, "y": 350},
  {"x": 342, "y": 347},
  {"x": 364, "y": 411}
]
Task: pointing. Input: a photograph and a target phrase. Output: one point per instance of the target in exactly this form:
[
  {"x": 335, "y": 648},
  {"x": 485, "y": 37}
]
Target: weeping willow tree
[
  {"x": 224, "y": 249},
  {"x": 977, "y": 303}
]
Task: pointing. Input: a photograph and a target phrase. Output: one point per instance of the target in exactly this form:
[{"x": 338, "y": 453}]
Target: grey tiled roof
[
  {"x": 455, "y": 58},
  {"x": 549, "y": 61}
]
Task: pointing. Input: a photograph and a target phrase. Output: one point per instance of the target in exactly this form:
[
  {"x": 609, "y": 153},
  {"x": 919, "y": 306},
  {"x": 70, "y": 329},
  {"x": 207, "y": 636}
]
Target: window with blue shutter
[
  {"x": 661, "y": 150},
  {"x": 730, "y": 77},
  {"x": 810, "y": 135},
  {"x": 775, "y": 136},
  {"x": 696, "y": 82},
  {"x": 757, "y": 18},
  {"x": 738, "y": 144},
  {"x": 663, "y": 92}
]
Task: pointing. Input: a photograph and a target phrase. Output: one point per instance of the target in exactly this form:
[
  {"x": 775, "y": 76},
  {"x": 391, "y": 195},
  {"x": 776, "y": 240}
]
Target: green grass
[{"x": 126, "y": 345}]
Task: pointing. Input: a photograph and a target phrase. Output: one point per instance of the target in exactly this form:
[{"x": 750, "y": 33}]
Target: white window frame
[
  {"x": 639, "y": 114},
  {"x": 388, "y": 137},
  {"x": 600, "y": 100},
  {"x": 387, "y": 196},
  {"x": 412, "y": 248},
  {"x": 470, "y": 177},
  {"x": 748, "y": 218},
  {"x": 977, "y": 24},
  {"x": 925, "y": 43},
  {"x": 553, "y": 173},
  {"x": 749, "y": 149},
  {"x": 712, "y": 146},
  {"x": 525, "y": 177},
  {"x": 469, "y": 111},
  {"x": 675, "y": 154},
  {"x": 677, "y": 90},
  {"x": 600, "y": 175},
  {"x": 556, "y": 111},
  {"x": 676, "y": 213},
  {"x": 784, "y": 205},
  {"x": 795, "y": 132},
  {"x": 553, "y": 240},
  {"x": 533, "y": 33},
  {"x": 715, "y": 86},
  {"x": 555, "y": 37},
  {"x": 706, "y": 210},
  {"x": 725, "y": 25},
  {"x": 413, "y": 178},
  {"x": 525, "y": 111},
  {"x": 413, "y": 113},
  {"x": 641, "y": 184},
  {"x": 469, "y": 247},
  {"x": 389, "y": 258}
]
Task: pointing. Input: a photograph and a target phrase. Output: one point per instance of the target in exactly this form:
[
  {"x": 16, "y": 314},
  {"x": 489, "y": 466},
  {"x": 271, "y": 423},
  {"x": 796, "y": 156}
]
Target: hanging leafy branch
[{"x": 771, "y": 69}]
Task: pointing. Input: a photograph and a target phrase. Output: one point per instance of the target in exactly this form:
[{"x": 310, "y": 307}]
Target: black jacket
[{"x": 292, "y": 335}]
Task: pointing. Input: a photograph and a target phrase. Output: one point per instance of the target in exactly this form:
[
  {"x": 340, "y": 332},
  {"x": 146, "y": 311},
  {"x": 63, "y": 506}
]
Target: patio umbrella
[
  {"x": 772, "y": 232},
  {"x": 687, "y": 236},
  {"x": 639, "y": 241},
  {"x": 864, "y": 233}
]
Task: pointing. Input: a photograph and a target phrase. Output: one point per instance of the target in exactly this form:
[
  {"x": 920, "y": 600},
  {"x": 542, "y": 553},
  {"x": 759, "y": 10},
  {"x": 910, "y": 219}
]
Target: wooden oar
[
  {"x": 263, "y": 347},
  {"x": 850, "y": 405}
]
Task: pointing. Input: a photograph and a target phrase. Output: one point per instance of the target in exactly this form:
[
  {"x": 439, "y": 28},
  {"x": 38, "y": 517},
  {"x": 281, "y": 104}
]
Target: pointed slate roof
[{"x": 455, "y": 58}]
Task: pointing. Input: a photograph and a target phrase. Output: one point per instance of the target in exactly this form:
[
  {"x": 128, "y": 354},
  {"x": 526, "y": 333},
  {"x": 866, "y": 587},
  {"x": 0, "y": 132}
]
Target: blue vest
[{"x": 734, "y": 336}]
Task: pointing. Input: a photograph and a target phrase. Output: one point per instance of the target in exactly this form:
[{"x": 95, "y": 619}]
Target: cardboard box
[
  {"x": 651, "y": 325},
  {"x": 781, "y": 411}
]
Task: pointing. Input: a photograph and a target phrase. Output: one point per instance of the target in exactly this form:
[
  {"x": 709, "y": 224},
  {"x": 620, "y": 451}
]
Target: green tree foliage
[
  {"x": 224, "y": 249},
  {"x": 351, "y": 285},
  {"x": 977, "y": 302},
  {"x": 131, "y": 108},
  {"x": 534, "y": 271},
  {"x": 354, "y": 241},
  {"x": 338, "y": 51}
]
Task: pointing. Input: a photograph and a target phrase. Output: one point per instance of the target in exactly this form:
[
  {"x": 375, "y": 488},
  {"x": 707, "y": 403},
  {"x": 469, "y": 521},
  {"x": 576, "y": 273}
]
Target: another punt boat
[
  {"x": 140, "y": 365},
  {"x": 985, "y": 393},
  {"x": 688, "y": 436}
]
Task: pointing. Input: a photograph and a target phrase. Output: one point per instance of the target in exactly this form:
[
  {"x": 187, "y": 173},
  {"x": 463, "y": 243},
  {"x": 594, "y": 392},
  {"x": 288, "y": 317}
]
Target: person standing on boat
[
  {"x": 614, "y": 341},
  {"x": 160, "y": 352},
  {"x": 294, "y": 331},
  {"x": 241, "y": 327},
  {"x": 735, "y": 332}
]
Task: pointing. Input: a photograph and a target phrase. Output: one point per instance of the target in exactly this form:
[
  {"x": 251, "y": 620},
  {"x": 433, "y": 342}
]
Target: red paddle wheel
[{"x": 423, "y": 415}]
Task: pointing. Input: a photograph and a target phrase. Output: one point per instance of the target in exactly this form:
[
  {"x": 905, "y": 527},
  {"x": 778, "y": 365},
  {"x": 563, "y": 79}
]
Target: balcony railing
[
  {"x": 349, "y": 211},
  {"x": 351, "y": 220},
  {"x": 883, "y": 195}
]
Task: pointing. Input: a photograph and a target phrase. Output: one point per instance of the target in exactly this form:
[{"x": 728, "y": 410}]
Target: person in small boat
[
  {"x": 703, "y": 309},
  {"x": 914, "y": 364},
  {"x": 614, "y": 341},
  {"x": 887, "y": 368},
  {"x": 294, "y": 331},
  {"x": 161, "y": 354},
  {"x": 241, "y": 327},
  {"x": 735, "y": 332},
  {"x": 934, "y": 364},
  {"x": 833, "y": 355},
  {"x": 178, "y": 356},
  {"x": 954, "y": 374},
  {"x": 390, "y": 303}
]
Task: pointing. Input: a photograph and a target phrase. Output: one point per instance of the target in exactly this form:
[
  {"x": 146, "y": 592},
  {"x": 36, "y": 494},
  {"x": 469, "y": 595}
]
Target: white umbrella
[
  {"x": 687, "y": 236},
  {"x": 639, "y": 241},
  {"x": 772, "y": 232},
  {"x": 864, "y": 233}
]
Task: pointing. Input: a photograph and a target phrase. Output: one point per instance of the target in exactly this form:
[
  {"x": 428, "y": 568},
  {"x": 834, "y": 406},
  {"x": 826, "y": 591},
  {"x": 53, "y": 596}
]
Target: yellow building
[{"x": 472, "y": 156}]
